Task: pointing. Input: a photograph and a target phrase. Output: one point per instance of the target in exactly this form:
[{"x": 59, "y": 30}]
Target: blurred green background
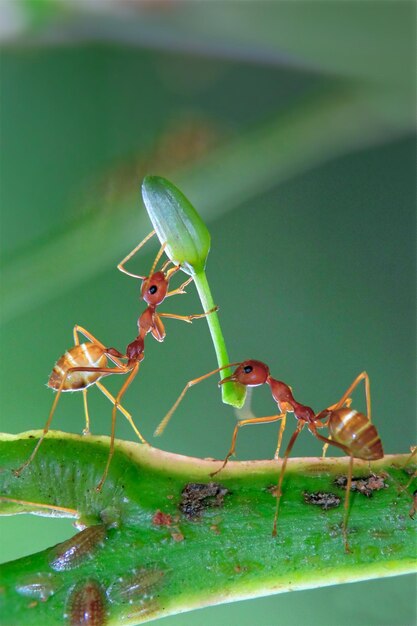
[{"x": 290, "y": 127}]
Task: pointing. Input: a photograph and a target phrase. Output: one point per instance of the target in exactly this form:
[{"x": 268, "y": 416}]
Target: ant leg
[
  {"x": 19, "y": 470},
  {"x": 28, "y": 507},
  {"x": 79, "y": 330},
  {"x": 346, "y": 401},
  {"x": 170, "y": 273},
  {"x": 281, "y": 476},
  {"x": 280, "y": 434},
  {"x": 414, "y": 474},
  {"x": 86, "y": 430},
  {"x": 180, "y": 289},
  {"x": 132, "y": 254},
  {"x": 116, "y": 405},
  {"x": 346, "y": 506},
  {"x": 413, "y": 453},
  {"x": 160, "y": 429},
  {"x": 71, "y": 370},
  {"x": 323, "y": 453},
  {"x": 346, "y": 404},
  {"x": 189, "y": 318},
  {"x": 173, "y": 270},
  {"x": 327, "y": 440},
  {"x": 158, "y": 328},
  {"x": 346, "y": 396},
  {"x": 158, "y": 256},
  {"x": 254, "y": 420},
  {"x": 122, "y": 410},
  {"x": 76, "y": 330}
]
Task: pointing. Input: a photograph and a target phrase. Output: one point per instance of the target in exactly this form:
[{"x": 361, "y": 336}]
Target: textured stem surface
[{"x": 163, "y": 537}]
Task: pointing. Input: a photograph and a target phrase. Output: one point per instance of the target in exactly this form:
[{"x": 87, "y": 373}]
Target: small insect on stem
[
  {"x": 41, "y": 585},
  {"x": 348, "y": 429},
  {"x": 72, "y": 552},
  {"x": 87, "y": 604}
]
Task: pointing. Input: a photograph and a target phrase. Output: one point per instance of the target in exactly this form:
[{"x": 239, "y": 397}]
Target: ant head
[
  {"x": 249, "y": 373},
  {"x": 154, "y": 288}
]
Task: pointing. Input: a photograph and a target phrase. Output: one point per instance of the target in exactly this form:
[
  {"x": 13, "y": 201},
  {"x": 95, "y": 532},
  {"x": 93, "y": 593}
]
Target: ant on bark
[
  {"x": 348, "y": 429},
  {"x": 86, "y": 363}
]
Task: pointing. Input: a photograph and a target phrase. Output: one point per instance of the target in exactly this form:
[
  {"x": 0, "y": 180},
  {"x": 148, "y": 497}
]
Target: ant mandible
[
  {"x": 85, "y": 364},
  {"x": 348, "y": 429}
]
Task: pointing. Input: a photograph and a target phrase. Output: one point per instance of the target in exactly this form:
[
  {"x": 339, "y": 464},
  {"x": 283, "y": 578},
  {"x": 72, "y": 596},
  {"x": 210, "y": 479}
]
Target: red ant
[
  {"x": 154, "y": 291},
  {"x": 348, "y": 429},
  {"x": 85, "y": 364}
]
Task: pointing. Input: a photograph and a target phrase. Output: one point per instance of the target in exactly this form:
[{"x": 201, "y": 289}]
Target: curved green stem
[
  {"x": 187, "y": 243},
  {"x": 232, "y": 393}
]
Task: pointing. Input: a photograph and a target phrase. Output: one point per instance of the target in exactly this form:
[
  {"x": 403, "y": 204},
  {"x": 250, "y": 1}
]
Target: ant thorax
[
  {"x": 282, "y": 395},
  {"x": 146, "y": 320}
]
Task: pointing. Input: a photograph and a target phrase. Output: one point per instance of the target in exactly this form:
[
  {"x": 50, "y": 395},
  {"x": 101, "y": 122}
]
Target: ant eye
[
  {"x": 248, "y": 369},
  {"x": 153, "y": 289}
]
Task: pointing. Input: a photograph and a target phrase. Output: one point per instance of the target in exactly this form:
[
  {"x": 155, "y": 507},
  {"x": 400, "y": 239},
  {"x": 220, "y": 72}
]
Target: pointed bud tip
[{"x": 176, "y": 223}]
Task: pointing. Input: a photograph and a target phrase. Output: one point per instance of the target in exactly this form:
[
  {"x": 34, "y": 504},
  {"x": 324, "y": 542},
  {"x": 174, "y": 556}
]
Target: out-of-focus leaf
[
  {"x": 347, "y": 39},
  {"x": 321, "y": 128}
]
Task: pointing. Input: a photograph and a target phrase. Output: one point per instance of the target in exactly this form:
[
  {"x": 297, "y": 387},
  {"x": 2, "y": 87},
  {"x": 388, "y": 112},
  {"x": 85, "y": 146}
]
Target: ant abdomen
[
  {"x": 84, "y": 355},
  {"x": 354, "y": 431}
]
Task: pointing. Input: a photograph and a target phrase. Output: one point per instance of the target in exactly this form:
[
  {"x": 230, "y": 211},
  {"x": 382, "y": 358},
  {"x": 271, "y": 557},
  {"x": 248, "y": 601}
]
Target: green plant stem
[
  {"x": 162, "y": 554},
  {"x": 186, "y": 238},
  {"x": 232, "y": 393}
]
